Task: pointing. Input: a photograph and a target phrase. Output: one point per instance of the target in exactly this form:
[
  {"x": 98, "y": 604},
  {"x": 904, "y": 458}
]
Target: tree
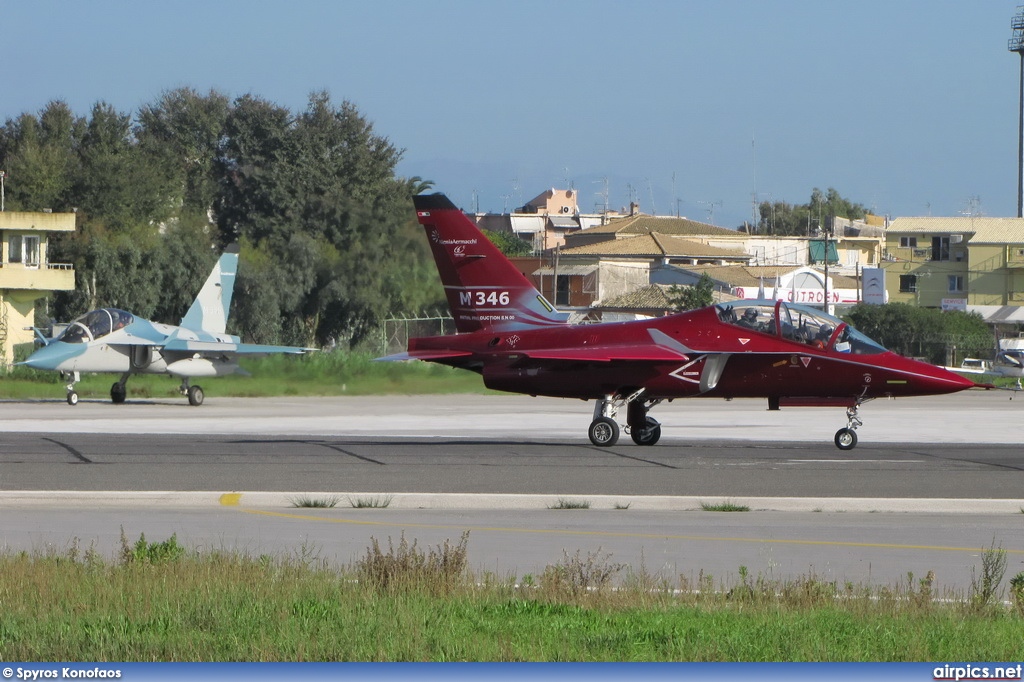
[
  {"x": 328, "y": 240},
  {"x": 784, "y": 219},
  {"x": 508, "y": 243},
  {"x": 40, "y": 157},
  {"x": 317, "y": 195},
  {"x": 699, "y": 295},
  {"x": 922, "y": 332},
  {"x": 184, "y": 129},
  {"x": 118, "y": 183}
]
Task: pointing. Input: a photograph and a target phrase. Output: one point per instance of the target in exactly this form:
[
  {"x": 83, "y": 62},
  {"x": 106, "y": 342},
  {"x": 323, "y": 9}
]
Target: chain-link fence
[{"x": 396, "y": 331}]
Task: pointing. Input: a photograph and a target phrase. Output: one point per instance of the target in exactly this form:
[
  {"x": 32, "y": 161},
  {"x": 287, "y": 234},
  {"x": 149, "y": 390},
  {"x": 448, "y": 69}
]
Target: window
[
  {"x": 956, "y": 283},
  {"x": 30, "y": 250},
  {"x": 14, "y": 248},
  {"x": 23, "y": 249},
  {"x": 940, "y": 248},
  {"x": 562, "y": 290},
  {"x": 908, "y": 283},
  {"x": 908, "y": 242}
]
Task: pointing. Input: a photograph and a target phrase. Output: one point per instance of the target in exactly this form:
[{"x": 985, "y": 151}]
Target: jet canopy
[
  {"x": 95, "y": 325},
  {"x": 799, "y": 323}
]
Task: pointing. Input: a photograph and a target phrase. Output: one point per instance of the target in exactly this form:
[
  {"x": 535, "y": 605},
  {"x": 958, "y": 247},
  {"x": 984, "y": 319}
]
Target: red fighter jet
[{"x": 511, "y": 335}]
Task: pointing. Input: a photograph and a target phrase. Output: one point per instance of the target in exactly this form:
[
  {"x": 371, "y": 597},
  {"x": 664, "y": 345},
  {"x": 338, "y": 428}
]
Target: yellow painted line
[
  {"x": 607, "y": 534},
  {"x": 230, "y": 499}
]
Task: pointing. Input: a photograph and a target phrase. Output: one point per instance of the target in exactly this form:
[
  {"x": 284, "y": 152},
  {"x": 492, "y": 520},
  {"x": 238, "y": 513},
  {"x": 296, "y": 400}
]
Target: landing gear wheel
[
  {"x": 846, "y": 439},
  {"x": 72, "y": 398},
  {"x": 649, "y": 435},
  {"x": 195, "y": 396},
  {"x": 118, "y": 393},
  {"x": 603, "y": 432}
]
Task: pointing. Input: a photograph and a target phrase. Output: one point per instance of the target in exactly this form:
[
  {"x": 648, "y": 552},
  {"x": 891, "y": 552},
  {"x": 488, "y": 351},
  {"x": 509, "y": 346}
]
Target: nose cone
[
  {"x": 929, "y": 379},
  {"x": 56, "y": 355}
]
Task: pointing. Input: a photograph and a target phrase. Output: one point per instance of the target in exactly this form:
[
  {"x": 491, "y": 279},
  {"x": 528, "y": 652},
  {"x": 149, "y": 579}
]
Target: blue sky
[{"x": 906, "y": 106}]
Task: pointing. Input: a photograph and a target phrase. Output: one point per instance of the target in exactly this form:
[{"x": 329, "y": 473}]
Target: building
[
  {"x": 622, "y": 265},
  {"x": 26, "y": 273},
  {"x": 803, "y": 284},
  {"x": 544, "y": 221},
  {"x": 952, "y": 263},
  {"x": 642, "y": 224}
]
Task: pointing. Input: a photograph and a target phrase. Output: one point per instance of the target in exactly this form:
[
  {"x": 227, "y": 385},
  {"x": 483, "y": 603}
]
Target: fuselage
[
  {"x": 704, "y": 353},
  {"x": 111, "y": 340}
]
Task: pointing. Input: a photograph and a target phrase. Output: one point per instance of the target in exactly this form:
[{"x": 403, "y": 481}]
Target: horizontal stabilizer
[
  {"x": 262, "y": 349},
  {"x": 968, "y": 370},
  {"x": 424, "y": 355}
]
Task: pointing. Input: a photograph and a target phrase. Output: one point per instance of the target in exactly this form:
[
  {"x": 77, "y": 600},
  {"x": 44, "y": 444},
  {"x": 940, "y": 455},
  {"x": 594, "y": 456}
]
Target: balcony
[{"x": 47, "y": 277}]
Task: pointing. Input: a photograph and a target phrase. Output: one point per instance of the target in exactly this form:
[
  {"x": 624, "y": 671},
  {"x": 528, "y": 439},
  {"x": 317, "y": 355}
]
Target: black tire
[
  {"x": 846, "y": 439},
  {"x": 118, "y": 393},
  {"x": 603, "y": 432},
  {"x": 649, "y": 435},
  {"x": 72, "y": 398},
  {"x": 195, "y": 396}
]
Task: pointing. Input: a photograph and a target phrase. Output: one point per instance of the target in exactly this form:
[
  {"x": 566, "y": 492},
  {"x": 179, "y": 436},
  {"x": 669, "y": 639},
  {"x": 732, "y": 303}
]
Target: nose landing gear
[
  {"x": 71, "y": 378},
  {"x": 846, "y": 437}
]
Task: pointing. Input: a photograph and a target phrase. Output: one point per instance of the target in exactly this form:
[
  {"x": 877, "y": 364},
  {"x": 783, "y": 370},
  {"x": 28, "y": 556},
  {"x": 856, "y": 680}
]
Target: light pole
[{"x": 1016, "y": 44}]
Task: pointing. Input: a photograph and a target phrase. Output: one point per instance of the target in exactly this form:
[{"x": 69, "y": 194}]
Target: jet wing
[
  {"x": 263, "y": 349},
  {"x": 662, "y": 349},
  {"x": 646, "y": 352},
  {"x": 188, "y": 346}
]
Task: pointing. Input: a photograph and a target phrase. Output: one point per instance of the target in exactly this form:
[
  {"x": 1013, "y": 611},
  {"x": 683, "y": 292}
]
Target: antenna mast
[{"x": 753, "y": 193}]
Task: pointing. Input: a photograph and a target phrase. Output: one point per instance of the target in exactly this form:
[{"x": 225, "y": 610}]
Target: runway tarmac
[
  {"x": 969, "y": 417},
  {"x": 933, "y": 481},
  {"x": 963, "y": 447}
]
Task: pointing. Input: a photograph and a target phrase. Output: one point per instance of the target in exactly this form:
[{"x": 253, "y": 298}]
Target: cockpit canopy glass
[
  {"x": 798, "y": 323},
  {"x": 95, "y": 325}
]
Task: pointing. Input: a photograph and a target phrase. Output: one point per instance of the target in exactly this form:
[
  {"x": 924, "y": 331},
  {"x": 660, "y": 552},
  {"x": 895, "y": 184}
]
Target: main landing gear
[
  {"x": 119, "y": 391},
  {"x": 604, "y": 430},
  {"x": 195, "y": 393}
]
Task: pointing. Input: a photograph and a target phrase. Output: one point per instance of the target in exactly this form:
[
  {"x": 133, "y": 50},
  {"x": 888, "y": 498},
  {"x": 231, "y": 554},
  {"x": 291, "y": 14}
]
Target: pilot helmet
[
  {"x": 825, "y": 330},
  {"x": 750, "y": 313}
]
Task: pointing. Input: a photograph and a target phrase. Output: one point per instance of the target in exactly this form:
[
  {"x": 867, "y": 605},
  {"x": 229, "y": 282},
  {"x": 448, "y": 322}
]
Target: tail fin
[
  {"x": 485, "y": 290},
  {"x": 209, "y": 312}
]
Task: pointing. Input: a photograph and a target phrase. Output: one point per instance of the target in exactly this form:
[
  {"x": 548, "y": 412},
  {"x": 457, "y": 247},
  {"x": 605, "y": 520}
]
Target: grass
[
  {"x": 570, "y": 504},
  {"x": 726, "y": 506},
  {"x": 315, "y": 374},
  {"x": 158, "y": 601},
  {"x": 315, "y": 502},
  {"x": 381, "y": 502}
]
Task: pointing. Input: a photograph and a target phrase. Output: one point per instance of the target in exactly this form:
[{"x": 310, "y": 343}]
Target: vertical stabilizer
[
  {"x": 485, "y": 290},
  {"x": 209, "y": 312}
]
